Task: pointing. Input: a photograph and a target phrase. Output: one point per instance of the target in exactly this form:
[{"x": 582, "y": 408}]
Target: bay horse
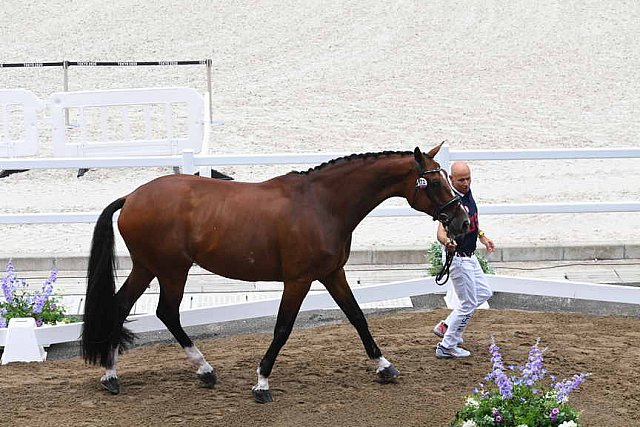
[{"x": 295, "y": 228}]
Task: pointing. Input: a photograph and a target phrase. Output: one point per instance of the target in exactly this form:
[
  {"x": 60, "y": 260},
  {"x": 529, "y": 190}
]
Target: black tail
[{"x": 102, "y": 329}]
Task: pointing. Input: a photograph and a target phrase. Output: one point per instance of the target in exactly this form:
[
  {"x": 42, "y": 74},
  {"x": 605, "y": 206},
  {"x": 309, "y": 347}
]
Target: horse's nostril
[{"x": 465, "y": 225}]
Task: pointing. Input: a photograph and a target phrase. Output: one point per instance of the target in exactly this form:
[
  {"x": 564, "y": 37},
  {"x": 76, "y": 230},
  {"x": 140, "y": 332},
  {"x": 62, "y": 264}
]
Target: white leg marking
[
  {"x": 111, "y": 372},
  {"x": 381, "y": 364},
  {"x": 198, "y": 359},
  {"x": 263, "y": 382}
]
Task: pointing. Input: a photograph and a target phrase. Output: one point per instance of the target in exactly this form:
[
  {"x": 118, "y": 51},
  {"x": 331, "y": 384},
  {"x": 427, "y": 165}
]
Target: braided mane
[{"x": 350, "y": 158}]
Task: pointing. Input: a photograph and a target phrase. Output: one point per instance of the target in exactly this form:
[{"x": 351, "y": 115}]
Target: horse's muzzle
[{"x": 459, "y": 224}]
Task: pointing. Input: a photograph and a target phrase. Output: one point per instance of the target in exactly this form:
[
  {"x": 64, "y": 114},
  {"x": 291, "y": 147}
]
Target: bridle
[
  {"x": 439, "y": 215},
  {"x": 423, "y": 184}
]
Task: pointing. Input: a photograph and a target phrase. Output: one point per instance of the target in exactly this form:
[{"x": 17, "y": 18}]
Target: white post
[
  {"x": 188, "y": 166},
  {"x": 65, "y": 87},
  {"x": 21, "y": 344}
]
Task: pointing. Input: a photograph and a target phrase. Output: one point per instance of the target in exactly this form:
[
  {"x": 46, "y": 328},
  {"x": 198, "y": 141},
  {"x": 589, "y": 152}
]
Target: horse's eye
[{"x": 435, "y": 184}]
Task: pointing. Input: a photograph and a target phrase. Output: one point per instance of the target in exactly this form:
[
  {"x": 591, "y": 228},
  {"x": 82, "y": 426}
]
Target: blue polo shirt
[{"x": 467, "y": 243}]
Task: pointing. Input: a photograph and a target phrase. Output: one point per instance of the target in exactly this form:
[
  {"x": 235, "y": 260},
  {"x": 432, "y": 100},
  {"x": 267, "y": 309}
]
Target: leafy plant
[
  {"x": 18, "y": 301},
  {"x": 524, "y": 400},
  {"x": 434, "y": 256}
]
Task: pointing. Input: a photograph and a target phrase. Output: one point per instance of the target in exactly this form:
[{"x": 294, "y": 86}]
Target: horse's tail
[{"x": 102, "y": 329}]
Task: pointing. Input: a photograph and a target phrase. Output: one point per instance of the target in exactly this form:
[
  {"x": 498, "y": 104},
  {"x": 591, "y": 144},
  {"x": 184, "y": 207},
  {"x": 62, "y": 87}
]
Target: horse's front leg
[
  {"x": 338, "y": 287},
  {"x": 292, "y": 297}
]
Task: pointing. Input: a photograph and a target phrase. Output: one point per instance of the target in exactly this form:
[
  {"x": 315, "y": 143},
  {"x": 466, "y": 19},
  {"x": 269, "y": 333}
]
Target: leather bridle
[{"x": 423, "y": 184}]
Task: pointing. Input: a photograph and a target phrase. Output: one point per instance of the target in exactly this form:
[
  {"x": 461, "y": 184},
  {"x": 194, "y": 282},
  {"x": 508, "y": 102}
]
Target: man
[{"x": 467, "y": 277}]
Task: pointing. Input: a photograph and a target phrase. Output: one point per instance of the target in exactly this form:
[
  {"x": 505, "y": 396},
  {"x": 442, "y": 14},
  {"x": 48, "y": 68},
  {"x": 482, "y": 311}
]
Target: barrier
[
  {"x": 170, "y": 121},
  {"x": 21, "y": 344},
  {"x": 179, "y": 131},
  {"x": 19, "y": 102},
  {"x": 46, "y": 336},
  {"x": 67, "y": 64},
  {"x": 188, "y": 161}
]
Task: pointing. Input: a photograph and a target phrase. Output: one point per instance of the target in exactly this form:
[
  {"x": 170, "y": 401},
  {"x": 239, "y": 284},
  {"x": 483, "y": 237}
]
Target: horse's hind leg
[
  {"x": 126, "y": 297},
  {"x": 292, "y": 296},
  {"x": 168, "y": 311},
  {"x": 337, "y": 285}
]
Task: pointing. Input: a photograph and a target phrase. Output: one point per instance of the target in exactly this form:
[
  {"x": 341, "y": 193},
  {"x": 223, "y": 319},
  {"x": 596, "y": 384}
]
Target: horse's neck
[{"x": 356, "y": 189}]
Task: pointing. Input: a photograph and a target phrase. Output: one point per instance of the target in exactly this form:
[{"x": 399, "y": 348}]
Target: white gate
[{"x": 19, "y": 122}]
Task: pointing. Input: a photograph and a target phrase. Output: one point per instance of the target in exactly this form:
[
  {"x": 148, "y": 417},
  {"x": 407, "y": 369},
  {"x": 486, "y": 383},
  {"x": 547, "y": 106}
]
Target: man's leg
[{"x": 463, "y": 281}]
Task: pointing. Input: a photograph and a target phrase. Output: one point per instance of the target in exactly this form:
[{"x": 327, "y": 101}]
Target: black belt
[{"x": 465, "y": 254}]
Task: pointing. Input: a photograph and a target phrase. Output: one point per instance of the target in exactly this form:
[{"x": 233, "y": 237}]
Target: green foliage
[{"x": 434, "y": 257}]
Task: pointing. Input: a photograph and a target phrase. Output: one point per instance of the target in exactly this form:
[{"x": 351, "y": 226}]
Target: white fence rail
[
  {"x": 46, "y": 336},
  {"x": 189, "y": 161}
]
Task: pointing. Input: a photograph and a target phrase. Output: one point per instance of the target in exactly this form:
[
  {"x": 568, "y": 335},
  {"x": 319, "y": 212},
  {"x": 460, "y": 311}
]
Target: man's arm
[{"x": 444, "y": 240}]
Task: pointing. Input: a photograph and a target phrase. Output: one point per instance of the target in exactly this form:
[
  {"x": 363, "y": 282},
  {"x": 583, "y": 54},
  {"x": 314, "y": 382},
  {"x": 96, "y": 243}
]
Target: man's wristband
[{"x": 480, "y": 233}]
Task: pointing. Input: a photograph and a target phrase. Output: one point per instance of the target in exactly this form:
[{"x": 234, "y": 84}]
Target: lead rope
[{"x": 444, "y": 271}]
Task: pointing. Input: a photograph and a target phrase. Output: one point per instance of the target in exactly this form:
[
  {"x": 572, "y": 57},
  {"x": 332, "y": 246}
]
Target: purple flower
[
  {"x": 3, "y": 319},
  {"x": 497, "y": 373},
  {"x": 533, "y": 370},
  {"x": 563, "y": 388},
  {"x": 554, "y": 414},
  {"x": 47, "y": 289},
  {"x": 9, "y": 283},
  {"x": 497, "y": 416}
]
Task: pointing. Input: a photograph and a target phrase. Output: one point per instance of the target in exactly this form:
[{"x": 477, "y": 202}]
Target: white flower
[
  {"x": 469, "y": 423},
  {"x": 473, "y": 402},
  {"x": 522, "y": 425},
  {"x": 568, "y": 424}
]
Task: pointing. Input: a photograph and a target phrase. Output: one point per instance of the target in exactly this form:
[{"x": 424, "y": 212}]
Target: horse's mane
[{"x": 350, "y": 158}]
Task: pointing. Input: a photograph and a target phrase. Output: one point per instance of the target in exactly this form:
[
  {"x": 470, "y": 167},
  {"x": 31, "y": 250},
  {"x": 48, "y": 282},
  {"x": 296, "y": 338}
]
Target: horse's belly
[{"x": 247, "y": 266}]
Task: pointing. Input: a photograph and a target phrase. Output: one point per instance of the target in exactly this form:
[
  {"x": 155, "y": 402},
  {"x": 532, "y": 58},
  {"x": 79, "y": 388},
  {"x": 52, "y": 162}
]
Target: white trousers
[{"x": 471, "y": 288}]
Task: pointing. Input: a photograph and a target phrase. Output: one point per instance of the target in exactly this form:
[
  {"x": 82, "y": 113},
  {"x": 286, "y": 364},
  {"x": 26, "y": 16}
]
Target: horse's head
[{"x": 432, "y": 193}]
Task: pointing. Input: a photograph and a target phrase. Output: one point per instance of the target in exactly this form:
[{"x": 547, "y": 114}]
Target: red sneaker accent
[{"x": 440, "y": 329}]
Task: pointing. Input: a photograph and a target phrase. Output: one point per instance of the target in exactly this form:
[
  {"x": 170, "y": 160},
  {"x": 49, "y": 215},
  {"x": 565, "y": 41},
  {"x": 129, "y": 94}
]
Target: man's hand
[
  {"x": 488, "y": 243},
  {"x": 451, "y": 245}
]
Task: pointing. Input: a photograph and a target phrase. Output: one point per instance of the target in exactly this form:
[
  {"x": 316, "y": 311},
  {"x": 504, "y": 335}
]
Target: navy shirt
[{"x": 467, "y": 243}]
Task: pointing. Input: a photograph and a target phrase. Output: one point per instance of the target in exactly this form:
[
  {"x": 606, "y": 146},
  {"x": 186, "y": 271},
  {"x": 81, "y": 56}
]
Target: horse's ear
[
  {"x": 435, "y": 150},
  {"x": 417, "y": 154}
]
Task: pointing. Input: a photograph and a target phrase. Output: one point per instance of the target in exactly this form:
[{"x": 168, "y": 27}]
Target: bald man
[{"x": 467, "y": 277}]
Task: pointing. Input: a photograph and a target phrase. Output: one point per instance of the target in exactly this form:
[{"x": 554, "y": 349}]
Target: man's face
[{"x": 461, "y": 180}]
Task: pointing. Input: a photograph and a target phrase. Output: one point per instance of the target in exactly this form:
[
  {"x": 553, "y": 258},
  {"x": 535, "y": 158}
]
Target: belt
[{"x": 465, "y": 254}]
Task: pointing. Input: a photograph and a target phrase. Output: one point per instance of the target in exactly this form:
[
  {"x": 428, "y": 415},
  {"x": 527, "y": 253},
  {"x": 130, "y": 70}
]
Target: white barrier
[
  {"x": 322, "y": 300},
  {"x": 24, "y": 141},
  {"x": 112, "y": 134}
]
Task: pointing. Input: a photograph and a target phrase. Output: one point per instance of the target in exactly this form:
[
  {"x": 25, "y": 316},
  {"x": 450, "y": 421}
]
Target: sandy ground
[
  {"x": 356, "y": 77},
  {"x": 322, "y": 376}
]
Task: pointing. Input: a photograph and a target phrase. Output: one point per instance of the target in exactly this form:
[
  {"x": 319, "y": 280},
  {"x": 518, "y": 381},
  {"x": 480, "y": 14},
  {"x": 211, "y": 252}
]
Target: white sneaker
[{"x": 451, "y": 353}]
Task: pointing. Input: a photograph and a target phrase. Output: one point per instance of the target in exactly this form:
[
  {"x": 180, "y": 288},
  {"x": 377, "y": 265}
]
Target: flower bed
[
  {"x": 525, "y": 400},
  {"x": 18, "y": 301}
]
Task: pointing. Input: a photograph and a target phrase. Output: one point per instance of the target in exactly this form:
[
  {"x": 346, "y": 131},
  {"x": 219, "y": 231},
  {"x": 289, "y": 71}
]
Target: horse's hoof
[
  {"x": 111, "y": 385},
  {"x": 208, "y": 378},
  {"x": 388, "y": 374},
  {"x": 262, "y": 396}
]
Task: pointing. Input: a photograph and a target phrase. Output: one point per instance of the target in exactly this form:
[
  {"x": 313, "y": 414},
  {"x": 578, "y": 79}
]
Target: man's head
[{"x": 461, "y": 176}]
